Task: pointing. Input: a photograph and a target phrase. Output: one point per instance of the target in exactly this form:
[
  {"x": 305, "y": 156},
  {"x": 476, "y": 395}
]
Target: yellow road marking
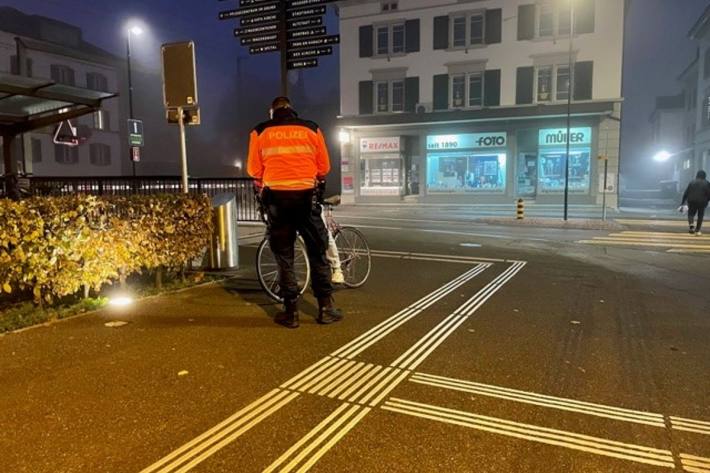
[{"x": 612, "y": 242}]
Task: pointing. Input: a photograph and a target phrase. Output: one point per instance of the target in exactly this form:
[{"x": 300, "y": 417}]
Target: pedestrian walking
[
  {"x": 697, "y": 196},
  {"x": 290, "y": 157}
]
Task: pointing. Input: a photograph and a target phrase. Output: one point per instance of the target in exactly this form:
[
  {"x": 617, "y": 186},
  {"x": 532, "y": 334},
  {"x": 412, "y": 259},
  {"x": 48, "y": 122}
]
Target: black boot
[
  {"x": 327, "y": 313},
  {"x": 289, "y": 317}
]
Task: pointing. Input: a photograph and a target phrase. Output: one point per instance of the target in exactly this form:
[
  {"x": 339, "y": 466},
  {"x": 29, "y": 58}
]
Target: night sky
[{"x": 657, "y": 50}]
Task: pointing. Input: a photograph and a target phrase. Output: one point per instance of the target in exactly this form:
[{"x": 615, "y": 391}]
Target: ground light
[{"x": 121, "y": 300}]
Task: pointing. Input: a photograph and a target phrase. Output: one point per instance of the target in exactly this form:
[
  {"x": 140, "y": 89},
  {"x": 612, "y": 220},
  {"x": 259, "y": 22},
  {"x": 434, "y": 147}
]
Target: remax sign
[
  {"x": 466, "y": 141},
  {"x": 381, "y": 145}
]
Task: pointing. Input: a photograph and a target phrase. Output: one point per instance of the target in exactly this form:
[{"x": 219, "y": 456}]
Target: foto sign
[
  {"x": 466, "y": 141},
  {"x": 558, "y": 136},
  {"x": 390, "y": 144},
  {"x": 135, "y": 132}
]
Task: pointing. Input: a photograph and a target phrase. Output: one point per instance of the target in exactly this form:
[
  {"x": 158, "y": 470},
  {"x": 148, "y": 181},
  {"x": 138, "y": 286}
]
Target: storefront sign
[
  {"x": 558, "y": 136},
  {"x": 380, "y": 145},
  {"x": 466, "y": 141}
]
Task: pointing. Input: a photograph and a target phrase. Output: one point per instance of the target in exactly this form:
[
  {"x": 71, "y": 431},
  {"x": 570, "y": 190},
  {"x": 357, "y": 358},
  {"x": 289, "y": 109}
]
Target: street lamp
[
  {"x": 344, "y": 137},
  {"x": 132, "y": 30},
  {"x": 662, "y": 156}
]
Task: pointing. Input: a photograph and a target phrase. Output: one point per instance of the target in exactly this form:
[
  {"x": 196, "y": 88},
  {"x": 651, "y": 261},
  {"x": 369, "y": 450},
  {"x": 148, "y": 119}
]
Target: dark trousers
[
  {"x": 699, "y": 210},
  {"x": 289, "y": 212}
]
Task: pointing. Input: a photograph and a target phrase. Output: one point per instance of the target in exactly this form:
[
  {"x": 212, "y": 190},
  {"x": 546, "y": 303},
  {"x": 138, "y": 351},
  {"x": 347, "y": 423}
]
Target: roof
[
  {"x": 27, "y": 103},
  {"x": 52, "y": 36},
  {"x": 699, "y": 28},
  {"x": 486, "y": 114}
]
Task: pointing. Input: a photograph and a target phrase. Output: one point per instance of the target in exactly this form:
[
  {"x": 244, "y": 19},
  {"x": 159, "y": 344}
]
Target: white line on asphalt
[
  {"x": 690, "y": 425},
  {"x": 434, "y": 256},
  {"x": 274, "y": 398},
  {"x": 695, "y": 464},
  {"x": 372, "y": 336},
  {"x": 572, "y": 440},
  {"x": 572, "y": 405},
  {"x": 309, "y": 373},
  {"x": 345, "y": 379},
  {"x": 452, "y": 232},
  {"x": 359, "y": 382},
  {"x": 614, "y": 242},
  {"x": 429, "y": 342}
]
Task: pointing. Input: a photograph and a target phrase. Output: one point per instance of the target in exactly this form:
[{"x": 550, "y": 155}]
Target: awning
[{"x": 28, "y": 103}]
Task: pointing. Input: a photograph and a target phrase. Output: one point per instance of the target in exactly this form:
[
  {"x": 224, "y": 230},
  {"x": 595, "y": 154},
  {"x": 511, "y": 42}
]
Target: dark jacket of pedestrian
[{"x": 697, "y": 194}]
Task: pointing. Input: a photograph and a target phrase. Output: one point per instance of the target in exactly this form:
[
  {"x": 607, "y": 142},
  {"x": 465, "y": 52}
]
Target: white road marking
[
  {"x": 572, "y": 405},
  {"x": 611, "y": 242},
  {"x": 690, "y": 425},
  {"x": 372, "y": 336},
  {"x": 494, "y": 236},
  {"x": 673, "y": 242},
  {"x": 235, "y": 424},
  {"x": 421, "y": 350},
  {"x": 695, "y": 464},
  {"x": 571, "y": 440}
]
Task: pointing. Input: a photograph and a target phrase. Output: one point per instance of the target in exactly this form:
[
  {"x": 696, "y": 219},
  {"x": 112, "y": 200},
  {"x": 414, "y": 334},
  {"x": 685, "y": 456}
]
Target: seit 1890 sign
[{"x": 466, "y": 141}]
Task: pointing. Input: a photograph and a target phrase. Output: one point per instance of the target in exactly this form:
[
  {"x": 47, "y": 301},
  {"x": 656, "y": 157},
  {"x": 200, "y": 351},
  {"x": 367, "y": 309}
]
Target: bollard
[{"x": 520, "y": 209}]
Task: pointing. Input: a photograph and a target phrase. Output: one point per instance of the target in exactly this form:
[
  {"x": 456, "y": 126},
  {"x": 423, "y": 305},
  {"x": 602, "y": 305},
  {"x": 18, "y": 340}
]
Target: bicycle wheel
[
  {"x": 267, "y": 269},
  {"x": 354, "y": 256}
]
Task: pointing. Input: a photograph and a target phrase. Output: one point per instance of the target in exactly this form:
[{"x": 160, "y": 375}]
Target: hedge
[{"x": 55, "y": 246}]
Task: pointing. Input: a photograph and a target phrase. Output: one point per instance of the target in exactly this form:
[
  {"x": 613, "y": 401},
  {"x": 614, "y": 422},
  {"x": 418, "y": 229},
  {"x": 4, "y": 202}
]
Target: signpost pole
[
  {"x": 570, "y": 91},
  {"x": 283, "y": 47},
  {"x": 606, "y": 171},
  {"x": 130, "y": 92},
  {"x": 183, "y": 149}
]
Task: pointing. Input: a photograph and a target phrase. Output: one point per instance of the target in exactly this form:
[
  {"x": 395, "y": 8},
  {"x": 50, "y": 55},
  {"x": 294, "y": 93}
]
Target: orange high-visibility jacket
[{"x": 287, "y": 153}]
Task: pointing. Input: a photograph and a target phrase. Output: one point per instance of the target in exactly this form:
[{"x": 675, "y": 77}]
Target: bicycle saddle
[{"x": 333, "y": 200}]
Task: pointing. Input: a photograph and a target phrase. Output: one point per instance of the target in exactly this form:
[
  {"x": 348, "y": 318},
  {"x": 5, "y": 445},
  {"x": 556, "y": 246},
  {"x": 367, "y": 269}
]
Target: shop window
[
  {"x": 466, "y": 90},
  {"x": 389, "y": 96},
  {"x": 66, "y": 154},
  {"x": 466, "y": 172},
  {"x": 100, "y": 154},
  {"x": 552, "y": 160},
  {"x": 381, "y": 175}
]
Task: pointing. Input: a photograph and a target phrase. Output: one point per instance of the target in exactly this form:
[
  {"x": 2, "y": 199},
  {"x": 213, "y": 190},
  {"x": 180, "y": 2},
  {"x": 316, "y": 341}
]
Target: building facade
[
  {"x": 57, "y": 51},
  {"x": 670, "y": 135},
  {"x": 444, "y": 101},
  {"x": 697, "y": 82}
]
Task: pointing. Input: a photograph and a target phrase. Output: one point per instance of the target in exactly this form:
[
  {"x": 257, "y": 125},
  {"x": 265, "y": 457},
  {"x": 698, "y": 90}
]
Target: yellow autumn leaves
[{"x": 54, "y": 246}]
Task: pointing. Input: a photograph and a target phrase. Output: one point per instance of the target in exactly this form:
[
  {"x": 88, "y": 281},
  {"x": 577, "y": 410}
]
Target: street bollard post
[{"x": 520, "y": 209}]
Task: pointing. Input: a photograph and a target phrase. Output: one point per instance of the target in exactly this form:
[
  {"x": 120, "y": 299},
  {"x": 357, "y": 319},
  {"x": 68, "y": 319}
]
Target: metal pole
[
  {"x": 606, "y": 169},
  {"x": 569, "y": 106},
  {"x": 130, "y": 95},
  {"x": 183, "y": 150},
  {"x": 283, "y": 46}
]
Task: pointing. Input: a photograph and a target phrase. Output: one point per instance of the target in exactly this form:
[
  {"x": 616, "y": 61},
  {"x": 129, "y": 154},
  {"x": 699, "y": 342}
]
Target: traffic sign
[
  {"x": 257, "y": 10},
  {"x": 305, "y": 23},
  {"x": 305, "y": 12},
  {"x": 259, "y": 20},
  {"x": 307, "y": 3},
  {"x": 135, "y": 132},
  {"x": 314, "y": 42},
  {"x": 263, "y": 49},
  {"x": 307, "y": 33},
  {"x": 267, "y": 38},
  {"x": 135, "y": 154},
  {"x": 303, "y": 64},
  {"x": 304, "y": 53},
  {"x": 251, "y": 30}
]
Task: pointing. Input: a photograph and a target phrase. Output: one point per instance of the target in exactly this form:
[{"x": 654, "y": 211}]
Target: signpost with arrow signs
[{"x": 294, "y": 28}]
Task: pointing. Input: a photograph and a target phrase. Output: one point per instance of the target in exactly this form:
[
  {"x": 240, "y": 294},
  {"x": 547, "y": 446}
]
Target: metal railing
[{"x": 105, "y": 186}]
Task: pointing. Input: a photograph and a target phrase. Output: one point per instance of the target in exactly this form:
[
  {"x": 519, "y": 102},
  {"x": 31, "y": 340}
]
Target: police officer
[{"x": 289, "y": 156}]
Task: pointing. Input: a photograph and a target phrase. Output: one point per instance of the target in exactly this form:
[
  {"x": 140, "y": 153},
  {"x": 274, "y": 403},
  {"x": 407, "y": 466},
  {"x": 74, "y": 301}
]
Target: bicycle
[{"x": 354, "y": 252}]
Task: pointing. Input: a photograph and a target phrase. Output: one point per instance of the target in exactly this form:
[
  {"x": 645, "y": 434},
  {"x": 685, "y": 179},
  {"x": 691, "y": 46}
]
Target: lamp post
[
  {"x": 137, "y": 31},
  {"x": 569, "y": 105}
]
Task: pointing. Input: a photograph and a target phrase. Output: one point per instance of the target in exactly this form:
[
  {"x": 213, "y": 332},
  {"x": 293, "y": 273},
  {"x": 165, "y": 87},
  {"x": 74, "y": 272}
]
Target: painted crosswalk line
[
  {"x": 671, "y": 242},
  {"x": 695, "y": 464}
]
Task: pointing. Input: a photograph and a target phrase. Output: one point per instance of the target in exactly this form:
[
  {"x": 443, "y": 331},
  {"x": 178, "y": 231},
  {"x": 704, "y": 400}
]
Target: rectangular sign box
[
  {"x": 307, "y": 3},
  {"x": 307, "y": 33},
  {"x": 305, "y": 23},
  {"x": 259, "y": 29},
  {"x": 306, "y": 53},
  {"x": 258, "y": 10},
  {"x": 264, "y": 48},
  {"x": 303, "y": 64},
  {"x": 314, "y": 42},
  {"x": 259, "y": 20},
  {"x": 266, "y": 38},
  {"x": 305, "y": 12}
]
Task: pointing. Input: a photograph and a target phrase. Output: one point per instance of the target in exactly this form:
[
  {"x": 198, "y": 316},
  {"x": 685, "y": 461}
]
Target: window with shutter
[
  {"x": 441, "y": 32},
  {"x": 366, "y": 48},
  {"x": 525, "y": 77},
  {"x": 526, "y": 22},
  {"x": 100, "y": 154},
  {"x": 583, "y": 80},
  {"x": 366, "y": 93},
  {"x": 441, "y": 92}
]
